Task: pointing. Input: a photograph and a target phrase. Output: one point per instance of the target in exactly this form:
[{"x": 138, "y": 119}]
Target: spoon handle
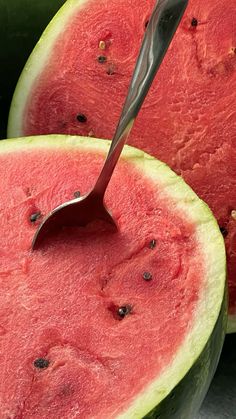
[{"x": 162, "y": 25}]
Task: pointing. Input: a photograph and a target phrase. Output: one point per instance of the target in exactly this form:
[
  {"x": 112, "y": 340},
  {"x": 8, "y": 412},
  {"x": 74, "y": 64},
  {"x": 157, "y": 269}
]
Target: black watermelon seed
[
  {"x": 224, "y": 231},
  {"x": 147, "y": 276},
  {"x": 102, "y": 59},
  {"x": 146, "y": 23},
  {"x": 194, "y": 22},
  {"x": 77, "y": 194},
  {"x": 41, "y": 363},
  {"x": 34, "y": 217},
  {"x": 81, "y": 118},
  {"x": 124, "y": 311},
  {"x": 152, "y": 244}
]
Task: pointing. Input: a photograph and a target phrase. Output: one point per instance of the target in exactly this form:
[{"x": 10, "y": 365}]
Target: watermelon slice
[
  {"x": 102, "y": 324},
  {"x": 77, "y": 78},
  {"x": 21, "y": 24}
]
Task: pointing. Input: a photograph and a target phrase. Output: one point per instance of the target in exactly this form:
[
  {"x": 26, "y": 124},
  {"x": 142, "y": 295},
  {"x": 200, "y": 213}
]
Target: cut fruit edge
[
  {"x": 208, "y": 236},
  {"x": 30, "y": 72},
  {"x": 231, "y": 325}
]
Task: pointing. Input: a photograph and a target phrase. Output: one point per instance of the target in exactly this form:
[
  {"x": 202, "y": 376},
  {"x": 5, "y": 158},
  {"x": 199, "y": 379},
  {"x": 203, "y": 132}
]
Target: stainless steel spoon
[{"x": 162, "y": 25}]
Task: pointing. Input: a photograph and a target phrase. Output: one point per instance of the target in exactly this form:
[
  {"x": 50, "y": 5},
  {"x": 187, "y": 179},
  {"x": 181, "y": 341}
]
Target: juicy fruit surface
[
  {"x": 189, "y": 117},
  {"x": 60, "y": 303}
]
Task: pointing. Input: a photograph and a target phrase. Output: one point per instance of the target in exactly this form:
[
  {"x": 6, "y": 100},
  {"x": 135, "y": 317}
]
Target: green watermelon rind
[
  {"x": 185, "y": 399},
  {"x": 183, "y": 385},
  {"x": 231, "y": 325}
]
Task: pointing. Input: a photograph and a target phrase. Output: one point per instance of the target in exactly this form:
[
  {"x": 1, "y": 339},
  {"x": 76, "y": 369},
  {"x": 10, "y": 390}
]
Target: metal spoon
[{"x": 162, "y": 25}]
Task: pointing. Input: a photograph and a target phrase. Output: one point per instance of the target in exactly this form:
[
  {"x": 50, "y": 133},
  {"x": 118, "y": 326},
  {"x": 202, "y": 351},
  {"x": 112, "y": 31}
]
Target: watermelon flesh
[
  {"x": 89, "y": 321},
  {"x": 189, "y": 117},
  {"x": 21, "y": 23}
]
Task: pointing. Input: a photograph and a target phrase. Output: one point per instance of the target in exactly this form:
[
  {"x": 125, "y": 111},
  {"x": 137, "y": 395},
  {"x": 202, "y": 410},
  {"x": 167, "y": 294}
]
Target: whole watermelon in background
[
  {"x": 21, "y": 24},
  {"x": 106, "y": 325},
  {"x": 77, "y": 78}
]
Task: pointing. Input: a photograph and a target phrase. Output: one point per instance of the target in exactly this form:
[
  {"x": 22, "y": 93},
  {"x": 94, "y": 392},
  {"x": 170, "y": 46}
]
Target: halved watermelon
[
  {"x": 98, "y": 324},
  {"x": 21, "y": 24},
  {"x": 77, "y": 78}
]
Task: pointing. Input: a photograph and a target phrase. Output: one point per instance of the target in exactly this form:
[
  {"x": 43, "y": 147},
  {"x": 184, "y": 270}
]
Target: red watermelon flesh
[
  {"x": 189, "y": 117},
  {"x": 60, "y": 303}
]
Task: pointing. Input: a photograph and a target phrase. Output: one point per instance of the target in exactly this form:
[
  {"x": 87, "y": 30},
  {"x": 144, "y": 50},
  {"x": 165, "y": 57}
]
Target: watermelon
[
  {"x": 21, "y": 24},
  {"x": 77, "y": 77},
  {"x": 104, "y": 324}
]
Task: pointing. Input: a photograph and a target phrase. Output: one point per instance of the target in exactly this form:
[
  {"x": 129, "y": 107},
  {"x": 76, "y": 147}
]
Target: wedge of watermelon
[
  {"x": 98, "y": 324},
  {"x": 21, "y": 24},
  {"x": 77, "y": 78}
]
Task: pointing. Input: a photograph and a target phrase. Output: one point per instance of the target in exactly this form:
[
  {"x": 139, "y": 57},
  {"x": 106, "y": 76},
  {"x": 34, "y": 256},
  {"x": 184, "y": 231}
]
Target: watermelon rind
[
  {"x": 184, "y": 400},
  {"x": 178, "y": 392},
  {"x": 231, "y": 325},
  {"x": 36, "y": 63},
  {"x": 21, "y": 24}
]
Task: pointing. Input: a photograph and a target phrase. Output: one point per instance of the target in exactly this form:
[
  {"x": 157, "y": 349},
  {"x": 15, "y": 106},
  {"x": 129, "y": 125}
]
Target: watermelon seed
[
  {"x": 34, "y": 217},
  {"x": 124, "y": 311},
  {"x": 102, "y": 59},
  {"x": 146, "y": 23},
  {"x": 152, "y": 244},
  {"x": 81, "y": 118},
  {"x": 194, "y": 22},
  {"x": 102, "y": 44},
  {"x": 147, "y": 276},
  {"x": 77, "y": 194},
  {"x": 224, "y": 231},
  {"x": 41, "y": 363}
]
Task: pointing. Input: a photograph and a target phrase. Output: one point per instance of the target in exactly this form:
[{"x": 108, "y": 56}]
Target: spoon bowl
[{"x": 76, "y": 212}]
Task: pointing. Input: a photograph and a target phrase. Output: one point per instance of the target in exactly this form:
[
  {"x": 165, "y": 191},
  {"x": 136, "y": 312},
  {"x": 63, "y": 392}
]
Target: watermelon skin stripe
[
  {"x": 186, "y": 398},
  {"x": 21, "y": 24},
  {"x": 179, "y": 391}
]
